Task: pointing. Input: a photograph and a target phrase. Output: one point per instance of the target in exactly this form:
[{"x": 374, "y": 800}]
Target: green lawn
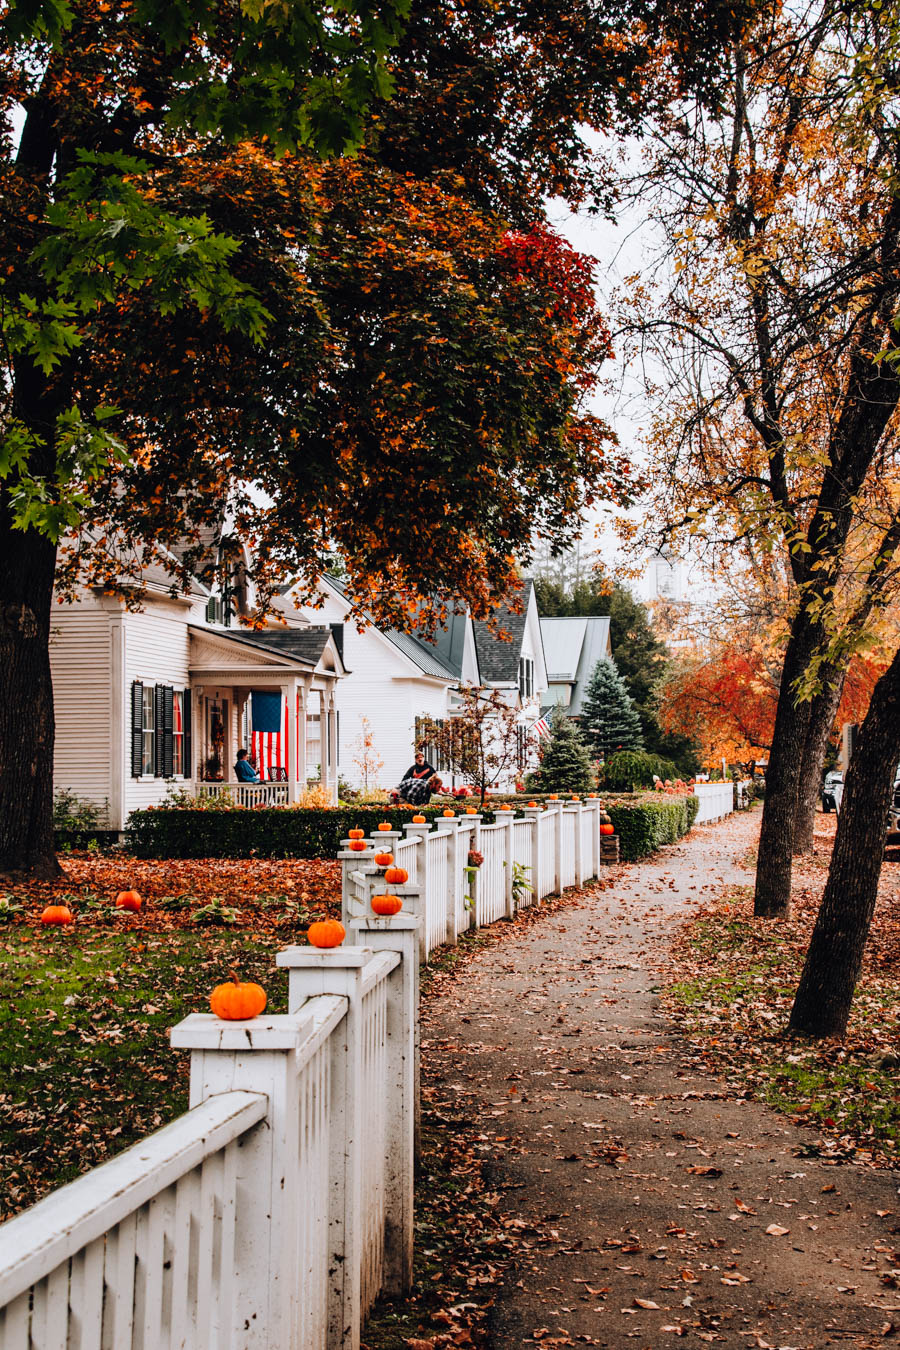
[{"x": 85, "y": 1063}]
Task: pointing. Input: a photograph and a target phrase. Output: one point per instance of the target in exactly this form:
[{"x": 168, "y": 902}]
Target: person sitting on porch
[
  {"x": 244, "y": 769},
  {"x": 415, "y": 786}
]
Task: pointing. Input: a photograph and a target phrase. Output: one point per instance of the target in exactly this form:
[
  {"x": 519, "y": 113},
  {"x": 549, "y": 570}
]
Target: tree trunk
[
  {"x": 26, "y": 708},
  {"x": 834, "y": 959},
  {"x": 821, "y": 719},
  {"x": 776, "y": 838}
]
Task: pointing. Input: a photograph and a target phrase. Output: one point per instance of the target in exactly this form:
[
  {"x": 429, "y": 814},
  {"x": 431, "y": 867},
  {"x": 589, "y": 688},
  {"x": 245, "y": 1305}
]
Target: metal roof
[{"x": 572, "y": 648}]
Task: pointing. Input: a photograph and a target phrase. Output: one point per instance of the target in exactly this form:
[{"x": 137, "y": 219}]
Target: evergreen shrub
[
  {"x": 629, "y": 770},
  {"x": 646, "y": 824}
]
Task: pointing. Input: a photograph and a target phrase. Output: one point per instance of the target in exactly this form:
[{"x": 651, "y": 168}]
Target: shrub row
[
  {"x": 643, "y": 826},
  {"x": 260, "y": 832}
]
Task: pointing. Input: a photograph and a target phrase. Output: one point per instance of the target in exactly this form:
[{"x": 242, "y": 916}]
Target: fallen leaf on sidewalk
[
  {"x": 776, "y": 1230},
  {"x": 645, "y": 1303}
]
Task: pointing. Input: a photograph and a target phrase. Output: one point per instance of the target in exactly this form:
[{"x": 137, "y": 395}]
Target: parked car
[{"x": 832, "y": 790}]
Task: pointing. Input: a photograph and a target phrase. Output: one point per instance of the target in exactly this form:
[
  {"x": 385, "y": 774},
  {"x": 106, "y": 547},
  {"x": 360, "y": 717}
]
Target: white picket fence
[
  {"x": 716, "y": 801},
  {"x": 527, "y": 855},
  {"x": 271, "y": 1215}
]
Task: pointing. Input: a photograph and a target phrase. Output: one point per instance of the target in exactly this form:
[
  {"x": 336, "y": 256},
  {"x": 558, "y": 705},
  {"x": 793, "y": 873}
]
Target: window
[
  {"x": 148, "y": 730},
  {"x": 526, "y": 676},
  {"x": 160, "y": 731},
  {"x": 521, "y": 748},
  {"x": 178, "y": 760}
]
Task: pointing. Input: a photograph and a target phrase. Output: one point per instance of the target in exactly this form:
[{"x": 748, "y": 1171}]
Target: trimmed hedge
[
  {"x": 643, "y": 824},
  {"x": 650, "y": 822},
  {"x": 258, "y": 832}
]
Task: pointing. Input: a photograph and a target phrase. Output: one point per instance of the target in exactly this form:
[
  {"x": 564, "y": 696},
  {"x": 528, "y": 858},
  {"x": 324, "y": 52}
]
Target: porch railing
[{"x": 247, "y": 794}]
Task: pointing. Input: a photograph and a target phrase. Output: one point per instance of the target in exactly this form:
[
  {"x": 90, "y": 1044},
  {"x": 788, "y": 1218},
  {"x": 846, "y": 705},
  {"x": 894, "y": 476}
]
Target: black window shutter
[
  {"x": 166, "y": 732},
  {"x": 137, "y": 728},
  {"x": 187, "y": 764}
]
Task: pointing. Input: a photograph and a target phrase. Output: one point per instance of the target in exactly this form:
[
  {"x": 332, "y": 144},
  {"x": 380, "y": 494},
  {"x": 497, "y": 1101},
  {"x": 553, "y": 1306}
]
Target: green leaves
[{"x": 53, "y": 503}]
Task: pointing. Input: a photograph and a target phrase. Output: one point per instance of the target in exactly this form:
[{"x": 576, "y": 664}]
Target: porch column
[
  {"x": 332, "y": 746},
  {"x": 301, "y": 753},
  {"x": 289, "y": 692}
]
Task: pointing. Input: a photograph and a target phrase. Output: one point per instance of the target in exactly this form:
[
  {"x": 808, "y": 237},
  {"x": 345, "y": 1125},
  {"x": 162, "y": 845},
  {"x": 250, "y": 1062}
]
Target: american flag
[
  {"x": 268, "y": 748},
  {"x": 541, "y": 727}
]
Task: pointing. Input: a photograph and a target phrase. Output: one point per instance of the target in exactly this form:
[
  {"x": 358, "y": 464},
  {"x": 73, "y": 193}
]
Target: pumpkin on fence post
[
  {"x": 396, "y": 876},
  {"x": 383, "y": 859},
  {"x": 236, "y": 1000},
  {"x": 326, "y": 933},
  {"x": 386, "y": 904}
]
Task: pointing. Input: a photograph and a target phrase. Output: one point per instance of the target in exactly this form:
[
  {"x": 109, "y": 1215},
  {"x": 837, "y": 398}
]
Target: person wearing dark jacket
[{"x": 414, "y": 785}]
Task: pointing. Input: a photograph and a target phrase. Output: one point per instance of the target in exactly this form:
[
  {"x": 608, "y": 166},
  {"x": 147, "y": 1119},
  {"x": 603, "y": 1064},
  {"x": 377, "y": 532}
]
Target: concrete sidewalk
[{"x": 654, "y": 1210}]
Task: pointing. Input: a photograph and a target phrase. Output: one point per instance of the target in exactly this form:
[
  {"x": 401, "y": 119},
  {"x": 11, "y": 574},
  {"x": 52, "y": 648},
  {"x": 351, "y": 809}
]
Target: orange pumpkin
[
  {"x": 236, "y": 1001},
  {"x": 447, "y": 812},
  {"x": 385, "y": 825},
  {"x": 356, "y": 834},
  {"x": 592, "y": 796},
  {"x": 384, "y": 859},
  {"x": 504, "y": 806},
  {"x": 471, "y": 810},
  {"x": 607, "y": 829},
  {"x": 553, "y": 797},
  {"x": 396, "y": 876},
  {"x": 386, "y": 904},
  {"x": 357, "y": 845},
  {"x": 418, "y": 820},
  {"x": 575, "y": 797},
  {"x": 59, "y": 914},
  {"x": 128, "y": 900},
  {"x": 326, "y": 933},
  {"x": 531, "y": 803}
]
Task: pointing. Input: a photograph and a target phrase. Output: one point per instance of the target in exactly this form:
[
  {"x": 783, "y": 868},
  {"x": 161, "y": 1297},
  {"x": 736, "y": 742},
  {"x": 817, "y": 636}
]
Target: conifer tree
[
  {"x": 565, "y": 761},
  {"x": 609, "y": 718}
]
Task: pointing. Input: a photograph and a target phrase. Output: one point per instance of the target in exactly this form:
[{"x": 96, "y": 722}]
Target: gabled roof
[
  {"x": 449, "y": 642},
  {"x": 498, "y": 658},
  {"x": 573, "y": 647},
  {"x": 301, "y": 644},
  {"x": 423, "y": 654}
]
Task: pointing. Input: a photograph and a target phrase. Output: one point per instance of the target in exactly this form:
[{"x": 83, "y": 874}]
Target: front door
[{"x": 215, "y": 764}]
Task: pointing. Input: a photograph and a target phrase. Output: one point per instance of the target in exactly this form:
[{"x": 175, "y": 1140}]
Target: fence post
[
  {"x": 577, "y": 810},
  {"x": 534, "y": 813},
  {"x": 557, "y": 848},
  {"x": 257, "y": 1056},
  {"x": 506, "y": 819},
  {"x": 399, "y": 933},
  {"x": 338, "y": 970},
  {"x": 593, "y": 805},
  {"x": 473, "y": 892},
  {"x": 454, "y": 852},
  {"x": 351, "y": 861}
]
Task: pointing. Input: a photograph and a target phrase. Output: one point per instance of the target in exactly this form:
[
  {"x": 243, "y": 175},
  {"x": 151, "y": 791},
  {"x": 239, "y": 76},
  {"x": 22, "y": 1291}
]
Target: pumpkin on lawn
[
  {"x": 128, "y": 900},
  {"x": 384, "y": 859},
  {"x": 387, "y": 904},
  {"x": 396, "y": 876},
  {"x": 326, "y": 933},
  {"x": 237, "y": 1000},
  {"x": 58, "y": 914}
]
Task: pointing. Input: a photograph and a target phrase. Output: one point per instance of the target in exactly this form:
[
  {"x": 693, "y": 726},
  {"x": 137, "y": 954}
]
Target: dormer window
[
  {"x": 219, "y": 609},
  {"x": 526, "y": 676}
]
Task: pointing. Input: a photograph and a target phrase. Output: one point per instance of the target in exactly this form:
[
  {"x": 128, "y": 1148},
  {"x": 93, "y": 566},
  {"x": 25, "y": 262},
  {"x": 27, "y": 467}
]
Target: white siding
[
  {"x": 156, "y": 652},
  {"x": 80, "y": 661}
]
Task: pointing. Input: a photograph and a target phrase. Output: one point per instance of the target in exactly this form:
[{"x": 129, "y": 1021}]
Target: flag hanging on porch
[
  {"x": 268, "y": 748},
  {"x": 266, "y": 708},
  {"x": 541, "y": 727}
]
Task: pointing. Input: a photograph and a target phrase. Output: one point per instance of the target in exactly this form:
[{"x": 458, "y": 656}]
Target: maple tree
[
  {"x": 182, "y": 307},
  {"x": 777, "y": 431}
]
